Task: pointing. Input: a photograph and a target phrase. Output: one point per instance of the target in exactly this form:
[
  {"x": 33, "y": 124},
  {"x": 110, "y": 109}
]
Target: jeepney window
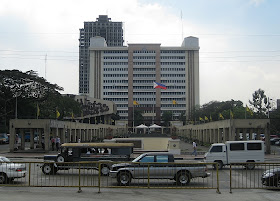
[
  {"x": 162, "y": 159},
  {"x": 237, "y": 147},
  {"x": 147, "y": 159},
  {"x": 217, "y": 149},
  {"x": 254, "y": 146}
]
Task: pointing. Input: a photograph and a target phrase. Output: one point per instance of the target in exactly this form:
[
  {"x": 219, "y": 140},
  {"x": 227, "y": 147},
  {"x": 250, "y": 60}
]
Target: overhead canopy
[
  {"x": 142, "y": 126},
  {"x": 154, "y": 126}
]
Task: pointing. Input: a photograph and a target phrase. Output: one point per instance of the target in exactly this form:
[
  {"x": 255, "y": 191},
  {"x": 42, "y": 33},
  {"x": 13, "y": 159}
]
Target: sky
[{"x": 239, "y": 39}]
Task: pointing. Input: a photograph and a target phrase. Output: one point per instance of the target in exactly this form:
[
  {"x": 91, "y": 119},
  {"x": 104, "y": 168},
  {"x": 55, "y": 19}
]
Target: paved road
[{"x": 70, "y": 194}]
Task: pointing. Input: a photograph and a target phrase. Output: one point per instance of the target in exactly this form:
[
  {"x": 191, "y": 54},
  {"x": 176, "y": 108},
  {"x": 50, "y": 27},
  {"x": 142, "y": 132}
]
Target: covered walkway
[{"x": 67, "y": 131}]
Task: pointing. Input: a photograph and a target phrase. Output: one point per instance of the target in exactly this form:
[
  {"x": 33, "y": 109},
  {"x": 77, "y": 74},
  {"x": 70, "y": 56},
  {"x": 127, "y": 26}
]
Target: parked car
[
  {"x": 274, "y": 140},
  {"x": 271, "y": 177},
  {"x": 157, "y": 165},
  {"x": 4, "y": 138},
  {"x": 9, "y": 171}
]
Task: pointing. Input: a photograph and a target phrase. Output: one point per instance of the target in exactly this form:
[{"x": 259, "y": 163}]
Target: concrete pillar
[
  {"x": 251, "y": 134},
  {"x": 22, "y": 135},
  {"x": 63, "y": 137},
  {"x": 267, "y": 138},
  {"x": 31, "y": 138},
  {"x": 244, "y": 135},
  {"x": 12, "y": 137},
  {"x": 220, "y": 135},
  {"x": 47, "y": 134},
  {"x": 258, "y": 134}
]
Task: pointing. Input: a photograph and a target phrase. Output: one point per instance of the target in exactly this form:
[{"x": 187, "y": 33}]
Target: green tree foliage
[
  {"x": 260, "y": 103},
  {"x": 213, "y": 109},
  {"x": 29, "y": 90},
  {"x": 166, "y": 117},
  {"x": 138, "y": 117}
]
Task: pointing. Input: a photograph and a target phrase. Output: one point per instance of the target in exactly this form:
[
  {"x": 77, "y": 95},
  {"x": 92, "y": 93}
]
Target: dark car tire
[
  {"x": 49, "y": 169},
  {"x": 124, "y": 178},
  {"x": 183, "y": 178},
  {"x": 3, "y": 178},
  {"x": 105, "y": 170},
  {"x": 220, "y": 165},
  {"x": 60, "y": 159}
]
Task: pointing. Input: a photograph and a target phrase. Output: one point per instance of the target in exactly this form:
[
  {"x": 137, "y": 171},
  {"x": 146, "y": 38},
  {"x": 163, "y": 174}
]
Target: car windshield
[
  {"x": 138, "y": 158},
  {"x": 4, "y": 159}
]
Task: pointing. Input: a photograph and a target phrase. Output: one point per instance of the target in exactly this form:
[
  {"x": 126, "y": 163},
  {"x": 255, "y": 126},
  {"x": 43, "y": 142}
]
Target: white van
[{"x": 236, "y": 152}]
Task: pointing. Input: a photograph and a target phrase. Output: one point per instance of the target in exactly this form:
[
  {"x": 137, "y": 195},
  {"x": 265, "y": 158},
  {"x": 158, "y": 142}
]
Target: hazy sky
[{"x": 239, "y": 39}]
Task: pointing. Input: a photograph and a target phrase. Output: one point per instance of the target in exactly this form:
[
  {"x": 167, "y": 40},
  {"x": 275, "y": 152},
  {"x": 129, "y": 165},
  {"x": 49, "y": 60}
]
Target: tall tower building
[
  {"x": 104, "y": 27},
  {"x": 127, "y": 74}
]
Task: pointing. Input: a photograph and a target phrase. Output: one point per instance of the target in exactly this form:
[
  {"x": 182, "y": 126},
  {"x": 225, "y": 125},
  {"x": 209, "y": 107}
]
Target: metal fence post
[
  {"x": 99, "y": 177},
  {"x": 80, "y": 190},
  {"x": 230, "y": 179},
  {"x": 218, "y": 184},
  {"x": 29, "y": 176}
]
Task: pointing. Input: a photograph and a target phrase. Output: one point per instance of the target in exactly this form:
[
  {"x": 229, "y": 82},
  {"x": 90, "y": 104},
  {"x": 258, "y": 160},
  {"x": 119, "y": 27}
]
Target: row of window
[
  {"x": 144, "y": 63},
  {"x": 144, "y": 51},
  {"x": 115, "y": 81},
  {"x": 172, "y": 51},
  {"x": 115, "y": 75},
  {"x": 105, "y": 58},
  {"x": 172, "y": 75},
  {"x": 172, "y": 57},
  {"x": 172, "y": 69},
  {"x": 144, "y": 57},
  {"x": 115, "y": 63},
  {"x": 116, "y": 51},
  {"x": 115, "y": 69},
  {"x": 143, "y": 69}
]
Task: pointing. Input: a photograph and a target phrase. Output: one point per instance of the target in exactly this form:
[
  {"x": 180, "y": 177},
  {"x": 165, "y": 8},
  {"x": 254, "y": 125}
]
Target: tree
[
  {"x": 260, "y": 103},
  {"x": 166, "y": 118},
  {"x": 138, "y": 117},
  {"x": 26, "y": 91}
]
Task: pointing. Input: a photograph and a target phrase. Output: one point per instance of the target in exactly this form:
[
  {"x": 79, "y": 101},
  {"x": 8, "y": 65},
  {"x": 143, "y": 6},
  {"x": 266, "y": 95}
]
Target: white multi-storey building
[{"x": 126, "y": 74}]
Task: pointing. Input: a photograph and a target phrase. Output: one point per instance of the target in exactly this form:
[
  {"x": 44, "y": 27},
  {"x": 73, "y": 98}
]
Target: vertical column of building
[
  {"x": 158, "y": 91},
  {"x": 130, "y": 85}
]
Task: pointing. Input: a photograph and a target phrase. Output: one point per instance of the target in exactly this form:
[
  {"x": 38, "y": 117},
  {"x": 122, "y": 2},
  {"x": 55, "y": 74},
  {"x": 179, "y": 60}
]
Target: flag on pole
[
  {"x": 206, "y": 118},
  {"x": 231, "y": 114},
  {"x": 57, "y": 113},
  {"x": 159, "y": 86},
  {"x": 210, "y": 118},
  {"x": 248, "y": 110},
  {"x": 72, "y": 115},
  {"x": 135, "y": 103},
  {"x": 221, "y": 116},
  {"x": 174, "y": 102}
]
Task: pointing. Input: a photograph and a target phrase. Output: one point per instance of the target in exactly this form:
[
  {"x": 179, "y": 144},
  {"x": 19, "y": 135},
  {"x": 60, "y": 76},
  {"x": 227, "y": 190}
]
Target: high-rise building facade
[
  {"x": 104, "y": 27},
  {"x": 127, "y": 74}
]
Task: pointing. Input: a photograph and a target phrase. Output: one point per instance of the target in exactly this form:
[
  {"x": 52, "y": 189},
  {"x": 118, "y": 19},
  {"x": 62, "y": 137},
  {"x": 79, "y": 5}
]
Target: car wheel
[
  {"x": 250, "y": 166},
  {"x": 60, "y": 159},
  {"x": 183, "y": 178},
  {"x": 104, "y": 170},
  {"x": 48, "y": 169},
  {"x": 219, "y": 165},
  {"x": 124, "y": 178},
  {"x": 3, "y": 178}
]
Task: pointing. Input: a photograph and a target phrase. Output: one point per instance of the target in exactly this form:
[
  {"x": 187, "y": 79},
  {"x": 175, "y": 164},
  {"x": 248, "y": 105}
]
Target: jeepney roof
[{"x": 98, "y": 145}]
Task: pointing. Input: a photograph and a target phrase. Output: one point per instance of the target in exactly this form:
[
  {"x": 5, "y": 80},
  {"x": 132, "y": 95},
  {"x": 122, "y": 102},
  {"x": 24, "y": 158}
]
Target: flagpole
[
  {"x": 153, "y": 105},
  {"x": 133, "y": 118}
]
